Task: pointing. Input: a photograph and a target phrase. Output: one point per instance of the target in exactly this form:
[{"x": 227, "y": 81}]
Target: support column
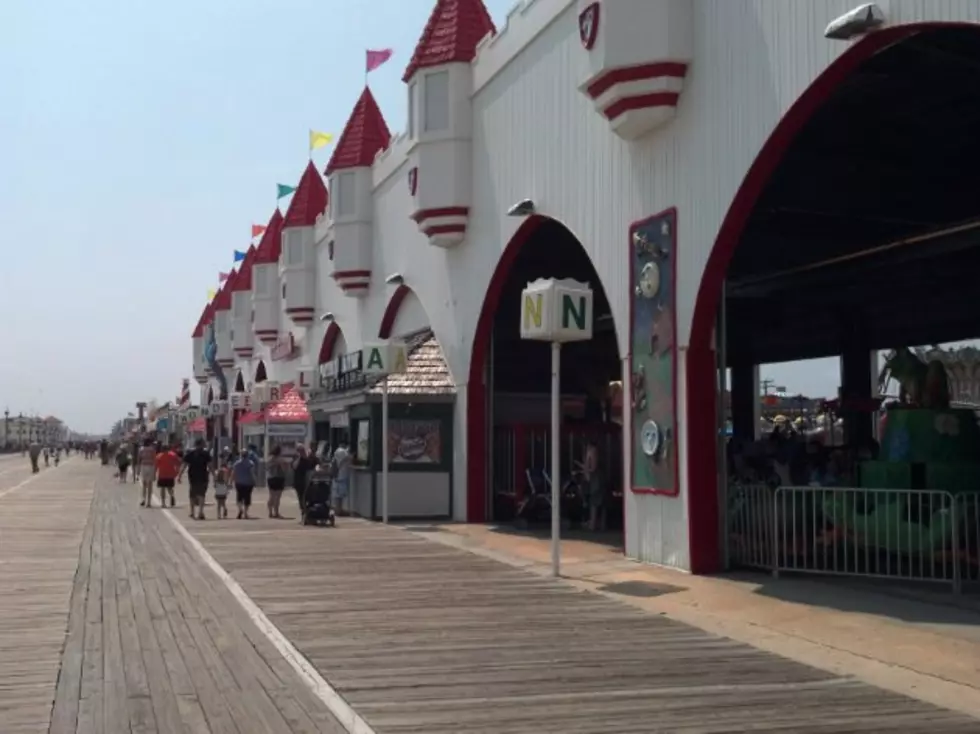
[
  {"x": 857, "y": 381},
  {"x": 745, "y": 400}
]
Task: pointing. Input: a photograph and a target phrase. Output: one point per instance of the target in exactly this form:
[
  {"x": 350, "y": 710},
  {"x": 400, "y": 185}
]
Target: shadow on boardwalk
[{"x": 421, "y": 637}]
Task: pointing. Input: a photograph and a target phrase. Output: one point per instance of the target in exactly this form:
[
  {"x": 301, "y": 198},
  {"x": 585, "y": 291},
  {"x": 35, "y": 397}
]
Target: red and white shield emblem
[
  {"x": 413, "y": 180},
  {"x": 588, "y": 25}
]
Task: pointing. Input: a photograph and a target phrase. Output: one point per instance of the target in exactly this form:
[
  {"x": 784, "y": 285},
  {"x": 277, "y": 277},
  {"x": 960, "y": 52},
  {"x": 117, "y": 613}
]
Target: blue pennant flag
[{"x": 239, "y": 256}]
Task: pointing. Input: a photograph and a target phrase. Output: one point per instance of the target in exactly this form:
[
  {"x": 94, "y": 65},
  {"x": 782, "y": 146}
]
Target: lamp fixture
[
  {"x": 857, "y": 22},
  {"x": 328, "y": 316},
  {"x": 395, "y": 279},
  {"x": 523, "y": 208}
]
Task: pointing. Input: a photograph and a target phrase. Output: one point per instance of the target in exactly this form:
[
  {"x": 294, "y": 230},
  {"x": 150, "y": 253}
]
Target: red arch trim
[
  {"x": 329, "y": 342},
  {"x": 702, "y": 478},
  {"x": 476, "y": 389},
  {"x": 391, "y": 311}
]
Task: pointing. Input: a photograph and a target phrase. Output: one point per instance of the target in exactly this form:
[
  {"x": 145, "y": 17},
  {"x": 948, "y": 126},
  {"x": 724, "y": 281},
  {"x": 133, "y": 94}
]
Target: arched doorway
[
  {"x": 403, "y": 315},
  {"x": 508, "y": 391},
  {"x": 330, "y": 426},
  {"x": 333, "y": 344},
  {"x": 260, "y": 373},
  {"x": 863, "y": 192}
]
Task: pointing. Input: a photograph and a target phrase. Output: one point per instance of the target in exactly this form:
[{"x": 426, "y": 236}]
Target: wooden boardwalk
[
  {"x": 115, "y": 624},
  {"x": 420, "y": 637},
  {"x": 154, "y": 642},
  {"x": 42, "y": 524}
]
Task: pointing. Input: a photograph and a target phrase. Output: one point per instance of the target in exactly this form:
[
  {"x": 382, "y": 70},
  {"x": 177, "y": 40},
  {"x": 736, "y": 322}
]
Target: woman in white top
[{"x": 147, "y": 461}]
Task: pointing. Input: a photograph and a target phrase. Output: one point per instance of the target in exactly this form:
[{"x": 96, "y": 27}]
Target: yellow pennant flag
[
  {"x": 211, "y": 294},
  {"x": 318, "y": 139}
]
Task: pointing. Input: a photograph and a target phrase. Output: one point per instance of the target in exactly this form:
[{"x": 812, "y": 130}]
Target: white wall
[{"x": 535, "y": 135}]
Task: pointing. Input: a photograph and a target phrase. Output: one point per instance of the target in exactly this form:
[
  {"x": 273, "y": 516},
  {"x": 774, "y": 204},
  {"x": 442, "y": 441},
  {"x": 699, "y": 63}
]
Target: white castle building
[{"x": 625, "y": 143}]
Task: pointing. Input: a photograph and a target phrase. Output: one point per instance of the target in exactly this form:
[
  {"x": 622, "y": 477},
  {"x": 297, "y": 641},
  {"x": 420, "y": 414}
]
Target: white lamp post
[
  {"x": 384, "y": 358},
  {"x": 556, "y": 311}
]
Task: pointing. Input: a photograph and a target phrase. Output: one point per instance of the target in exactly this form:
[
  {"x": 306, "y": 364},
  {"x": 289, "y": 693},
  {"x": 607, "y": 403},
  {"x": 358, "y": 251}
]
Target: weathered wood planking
[
  {"x": 42, "y": 525},
  {"x": 155, "y": 643},
  {"x": 420, "y": 637}
]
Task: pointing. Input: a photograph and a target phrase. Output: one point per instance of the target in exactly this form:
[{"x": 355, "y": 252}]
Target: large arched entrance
[
  {"x": 508, "y": 392},
  {"x": 856, "y": 228}
]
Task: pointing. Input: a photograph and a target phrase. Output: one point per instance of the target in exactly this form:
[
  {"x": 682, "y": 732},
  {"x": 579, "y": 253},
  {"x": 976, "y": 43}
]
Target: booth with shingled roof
[{"x": 420, "y": 429}]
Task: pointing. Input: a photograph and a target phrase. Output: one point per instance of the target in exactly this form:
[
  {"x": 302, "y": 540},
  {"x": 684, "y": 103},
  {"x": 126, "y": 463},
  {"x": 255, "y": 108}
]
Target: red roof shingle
[
  {"x": 244, "y": 280},
  {"x": 270, "y": 246},
  {"x": 222, "y": 301},
  {"x": 205, "y": 319},
  {"x": 365, "y": 133},
  {"x": 451, "y": 35},
  {"x": 309, "y": 200}
]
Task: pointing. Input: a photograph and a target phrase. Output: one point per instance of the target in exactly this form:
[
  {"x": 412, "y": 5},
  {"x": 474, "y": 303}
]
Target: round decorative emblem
[
  {"x": 650, "y": 280},
  {"x": 650, "y": 438}
]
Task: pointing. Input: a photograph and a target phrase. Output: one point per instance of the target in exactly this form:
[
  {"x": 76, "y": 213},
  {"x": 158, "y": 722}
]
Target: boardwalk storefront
[{"x": 677, "y": 156}]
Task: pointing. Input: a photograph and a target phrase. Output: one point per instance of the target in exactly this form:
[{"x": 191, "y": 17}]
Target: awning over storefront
[
  {"x": 198, "y": 425},
  {"x": 248, "y": 418}
]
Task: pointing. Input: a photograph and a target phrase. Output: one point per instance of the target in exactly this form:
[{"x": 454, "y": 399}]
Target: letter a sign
[{"x": 384, "y": 358}]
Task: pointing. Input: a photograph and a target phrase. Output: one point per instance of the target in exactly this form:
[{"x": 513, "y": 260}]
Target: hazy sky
[{"x": 138, "y": 142}]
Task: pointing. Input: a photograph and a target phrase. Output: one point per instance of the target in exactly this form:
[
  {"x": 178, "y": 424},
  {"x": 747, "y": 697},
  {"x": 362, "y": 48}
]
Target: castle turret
[
  {"x": 242, "y": 328},
  {"x": 440, "y": 118},
  {"x": 197, "y": 342},
  {"x": 297, "y": 261},
  {"x": 638, "y": 56},
  {"x": 265, "y": 282},
  {"x": 351, "y": 194},
  {"x": 222, "y": 322}
]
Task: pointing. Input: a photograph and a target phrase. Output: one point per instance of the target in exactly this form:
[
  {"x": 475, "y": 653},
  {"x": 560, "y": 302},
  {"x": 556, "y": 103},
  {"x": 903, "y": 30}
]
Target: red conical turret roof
[
  {"x": 244, "y": 280},
  {"x": 365, "y": 133},
  {"x": 203, "y": 321},
  {"x": 309, "y": 200},
  {"x": 270, "y": 246},
  {"x": 451, "y": 35},
  {"x": 222, "y": 301}
]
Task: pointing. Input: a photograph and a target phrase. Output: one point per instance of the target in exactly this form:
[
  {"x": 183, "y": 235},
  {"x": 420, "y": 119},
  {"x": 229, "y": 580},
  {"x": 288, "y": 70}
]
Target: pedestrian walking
[
  {"x": 275, "y": 473},
  {"x": 147, "y": 460},
  {"x": 168, "y": 468},
  {"x": 199, "y": 466},
  {"x": 243, "y": 474}
]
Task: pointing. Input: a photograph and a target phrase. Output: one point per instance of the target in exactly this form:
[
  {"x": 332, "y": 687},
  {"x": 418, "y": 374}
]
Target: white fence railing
[{"x": 911, "y": 535}]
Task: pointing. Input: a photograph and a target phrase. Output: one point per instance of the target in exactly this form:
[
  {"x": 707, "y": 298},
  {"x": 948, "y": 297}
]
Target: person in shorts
[
  {"x": 122, "y": 463},
  {"x": 199, "y": 466},
  {"x": 275, "y": 468},
  {"x": 168, "y": 467},
  {"x": 147, "y": 460},
  {"x": 243, "y": 474}
]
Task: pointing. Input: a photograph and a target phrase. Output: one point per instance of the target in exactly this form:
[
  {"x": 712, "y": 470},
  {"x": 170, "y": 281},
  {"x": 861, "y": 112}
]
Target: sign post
[
  {"x": 556, "y": 311},
  {"x": 384, "y": 358}
]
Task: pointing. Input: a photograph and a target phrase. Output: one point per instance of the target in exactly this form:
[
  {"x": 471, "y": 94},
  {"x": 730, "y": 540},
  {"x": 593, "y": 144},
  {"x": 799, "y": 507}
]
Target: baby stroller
[{"x": 317, "y": 508}]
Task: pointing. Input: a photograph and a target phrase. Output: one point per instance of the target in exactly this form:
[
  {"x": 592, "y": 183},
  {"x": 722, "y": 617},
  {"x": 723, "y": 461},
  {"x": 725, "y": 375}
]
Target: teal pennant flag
[{"x": 284, "y": 190}]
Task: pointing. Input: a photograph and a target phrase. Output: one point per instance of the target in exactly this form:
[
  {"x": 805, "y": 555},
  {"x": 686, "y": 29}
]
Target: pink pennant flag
[
  {"x": 222, "y": 277},
  {"x": 376, "y": 58}
]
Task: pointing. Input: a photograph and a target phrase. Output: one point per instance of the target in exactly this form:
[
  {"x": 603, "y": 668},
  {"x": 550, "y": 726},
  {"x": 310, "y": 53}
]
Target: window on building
[
  {"x": 436, "y": 102},
  {"x": 294, "y": 247},
  {"x": 260, "y": 280},
  {"x": 284, "y": 291},
  {"x": 343, "y": 194},
  {"x": 330, "y": 249},
  {"x": 412, "y": 89},
  {"x": 240, "y": 305}
]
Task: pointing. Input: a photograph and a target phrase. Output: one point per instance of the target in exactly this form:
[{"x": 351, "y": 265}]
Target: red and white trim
[
  {"x": 267, "y": 336},
  {"x": 301, "y": 315},
  {"x": 637, "y": 99},
  {"x": 354, "y": 283},
  {"x": 201, "y": 379},
  {"x": 244, "y": 352},
  {"x": 444, "y": 226},
  {"x": 226, "y": 363}
]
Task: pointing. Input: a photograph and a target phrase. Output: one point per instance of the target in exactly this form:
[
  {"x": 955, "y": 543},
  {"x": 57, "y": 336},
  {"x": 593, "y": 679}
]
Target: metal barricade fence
[{"x": 910, "y": 535}]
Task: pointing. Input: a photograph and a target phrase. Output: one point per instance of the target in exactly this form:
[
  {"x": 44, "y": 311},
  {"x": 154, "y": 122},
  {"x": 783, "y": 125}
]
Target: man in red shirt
[{"x": 168, "y": 467}]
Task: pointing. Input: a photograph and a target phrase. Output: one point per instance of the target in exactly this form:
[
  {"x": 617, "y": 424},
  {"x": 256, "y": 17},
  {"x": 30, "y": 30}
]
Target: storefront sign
[
  {"x": 385, "y": 358},
  {"x": 339, "y": 420},
  {"x": 219, "y": 407},
  {"x": 343, "y": 373},
  {"x": 287, "y": 430},
  {"x": 284, "y": 348},
  {"x": 307, "y": 380},
  {"x": 556, "y": 311},
  {"x": 239, "y": 400}
]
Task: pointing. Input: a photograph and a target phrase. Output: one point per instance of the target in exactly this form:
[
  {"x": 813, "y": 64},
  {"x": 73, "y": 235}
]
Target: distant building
[{"x": 963, "y": 367}]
